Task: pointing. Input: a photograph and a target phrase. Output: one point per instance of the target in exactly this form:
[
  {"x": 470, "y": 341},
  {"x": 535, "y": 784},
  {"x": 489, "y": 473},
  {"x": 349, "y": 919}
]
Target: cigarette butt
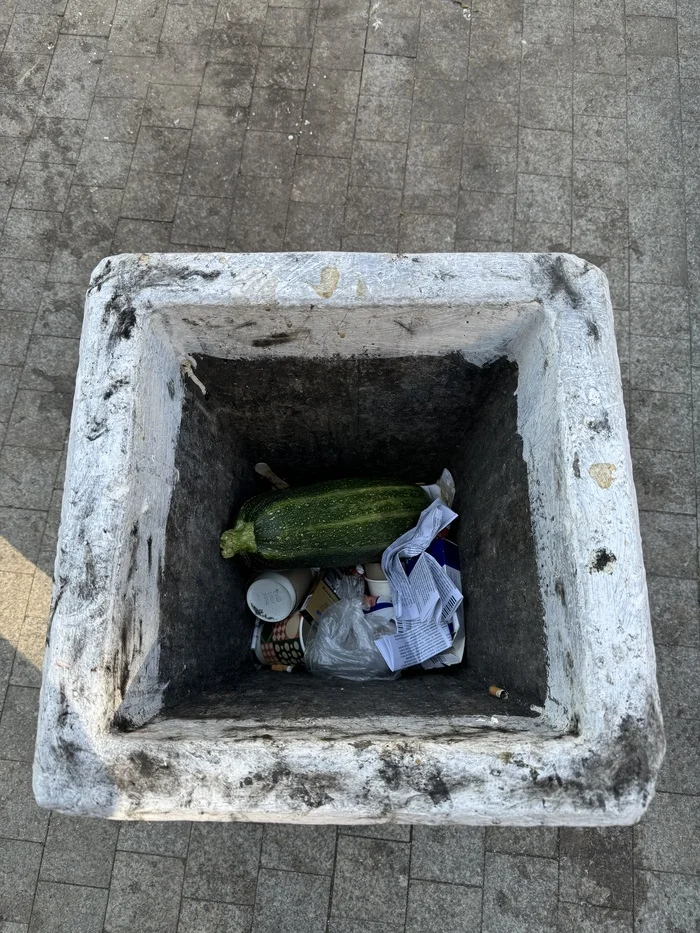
[
  {"x": 287, "y": 668},
  {"x": 262, "y": 469},
  {"x": 498, "y": 692}
]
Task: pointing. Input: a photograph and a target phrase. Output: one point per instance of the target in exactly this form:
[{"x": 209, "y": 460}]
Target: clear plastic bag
[{"x": 342, "y": 643}]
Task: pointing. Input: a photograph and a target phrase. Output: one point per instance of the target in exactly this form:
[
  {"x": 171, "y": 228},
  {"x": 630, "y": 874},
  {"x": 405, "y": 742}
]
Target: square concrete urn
[{"x": 501, "y": 367}]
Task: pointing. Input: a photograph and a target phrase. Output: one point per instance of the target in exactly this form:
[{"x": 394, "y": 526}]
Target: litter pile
[{"x": 358, "y": 578}]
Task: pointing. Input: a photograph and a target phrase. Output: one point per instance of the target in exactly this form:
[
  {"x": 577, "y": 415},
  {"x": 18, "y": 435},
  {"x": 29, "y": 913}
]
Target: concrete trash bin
[{"x": 502, "y": 367}]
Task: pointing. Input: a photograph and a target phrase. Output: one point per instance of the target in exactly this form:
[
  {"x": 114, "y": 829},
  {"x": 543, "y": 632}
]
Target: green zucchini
[{"x": 331, "y": 524}]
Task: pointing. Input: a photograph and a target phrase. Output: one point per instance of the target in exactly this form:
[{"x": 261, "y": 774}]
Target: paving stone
[
  {"x": 124, "y": 76},
  {"x": 539, "y": 237},
  {"x": 320, "y": 180},
  {"x": 289, "y": 902},
  {"x": 136, "y": 26},
  {"x": 674, "y": 611},
  {"x": 342, "y": 925},
  {"x": 444, "y": 55},
  {"x": 9, "y": 380},
  {"x": 547, "y": 108},
  {"x": 659, "y": 310},
  {"x": 655, "y": 36},
  {"x": 191, "y": 25},
  {"x": 327, "y": 133},
  {"x": 59, "y": 907},
  {"x": 51, "y": 365},
  {"x": 276, "y": 110},
  {"x": 23, "y": 74},
  {"x": 270, "y": 154},
  {"x": 680, "y": 772},
  {"x": 227, "y": 83},
  {"x": 201, "y": 221},
  {"x": 674, "y": 376},
  {"x": 597, "y": 53},
  {"x": 223, "y": 862},
  {"x": 512, "y": 840},
  {"x": 485, "y": 215},
  {"x": 435, "y": 144},
  {"x": 14, "y": 596},
  {"x": 16, "y": 329},
  {"x": 439, "y": 101},
  {"x": 19, "y": 867},
  {"x": 549, "y": 63},
  {"x": 18, "y": 114},
  {"x": 56, "y": 140},
  {"x": 595, "y": 867},
  {"x": 372, "y": 212},
  {"x": 104, "y": 164},
  {"x": 89, "y": 17},
  {"x": 677, "y": 670},
  {"x": 450, "y": 853},
  {"x": 654, "y": 139},
  {"x": 491, "y": 123},
  {"x": 144, "y": 893},
  {"x": 661, "y": 421},
  {"x": 600, "y": 96},
  {"x": 378, "y": 164},
  {"x": 420, "y": 233},
  {"x": 544, "y": 152},
  {"x": 171, "y": 106},
  {"x": 333, "y": 89},
  {"x": 259, "y": 214},
  {"x": 28, "y": 662},
  {"x": 215, "y": 153},
  {"x": 135, "y": 236},
  {"x": 79, "y": 850},
  {"x": 545, "y": 198},
  {"x": 384, "y": 119},
  {"x": 20, "y": 538},
  {"x": 39, "y": 419},
  {"x": 371, "y": 879},
  {"x": 430, "y": 190},
  {"x": 291, "y": 848},
  {"x": 652, "y": 77},
  {"x": 586, "y": 919},
  {"x": 32, "y": 34},
  {"x": 520, "y": 894},
  {"x": 27, "y": 477},
  {"x": 182, "y": 64},
  {"x": 20, "y": 817},
  {"x": 670, "y": 544},
  {"x": 161, "y": 150},
  {"x": 314, "y": 226},
  {"x": 396, "y": 832},
  {"x": 489, "y": 168},
  {"x": 666, "y": 902},
  {"x": 289, "y": 27},
  {"x": 115, "y": 120},
  {"x": 388, "y": 76},
  {"x": 43, "y": 186},
  {"x": 283, "y": 68},
  {"x": 211, "y": 917},
  {"x": 72, "y": 77},
  {"x": 442, "y": 908},
  {"x": 659, "y": 259},
  {"x": 492, "y": 79},
  {"x": 149, "y": 838},
  {"x": 394, "y": 33},
  {"x": 668, "y": 837},
  {"x": 18, "y": 723}
]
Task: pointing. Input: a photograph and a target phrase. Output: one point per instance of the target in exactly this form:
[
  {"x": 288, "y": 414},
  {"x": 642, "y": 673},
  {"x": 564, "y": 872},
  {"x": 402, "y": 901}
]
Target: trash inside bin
[{"x": 195, "y": 368}]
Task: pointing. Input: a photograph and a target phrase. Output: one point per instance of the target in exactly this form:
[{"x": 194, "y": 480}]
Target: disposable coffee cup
[
  {"x": 377, "y": 583},
  {"x": 283, "y": 642},
  {"x": 273, "y": 596}
]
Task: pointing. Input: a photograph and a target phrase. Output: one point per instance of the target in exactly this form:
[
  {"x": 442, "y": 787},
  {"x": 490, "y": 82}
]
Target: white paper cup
[
  {"x": 274, "y": 596},
  {"x": 378, "y": 587}
]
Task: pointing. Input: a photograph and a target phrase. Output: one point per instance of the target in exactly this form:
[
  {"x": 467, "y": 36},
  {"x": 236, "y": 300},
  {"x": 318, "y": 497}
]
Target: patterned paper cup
[{"x": 283, "y": 642}]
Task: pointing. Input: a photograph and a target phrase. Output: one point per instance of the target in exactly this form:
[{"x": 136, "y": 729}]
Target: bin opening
[{"x": 313, "y": 419}]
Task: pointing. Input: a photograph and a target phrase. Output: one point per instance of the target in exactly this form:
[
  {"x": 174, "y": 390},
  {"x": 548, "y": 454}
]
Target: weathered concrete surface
[{"x": 592, "y": 753}]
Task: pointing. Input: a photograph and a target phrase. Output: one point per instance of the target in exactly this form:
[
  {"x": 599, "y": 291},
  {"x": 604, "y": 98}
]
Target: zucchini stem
[{"x": 238, "y": 540}]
